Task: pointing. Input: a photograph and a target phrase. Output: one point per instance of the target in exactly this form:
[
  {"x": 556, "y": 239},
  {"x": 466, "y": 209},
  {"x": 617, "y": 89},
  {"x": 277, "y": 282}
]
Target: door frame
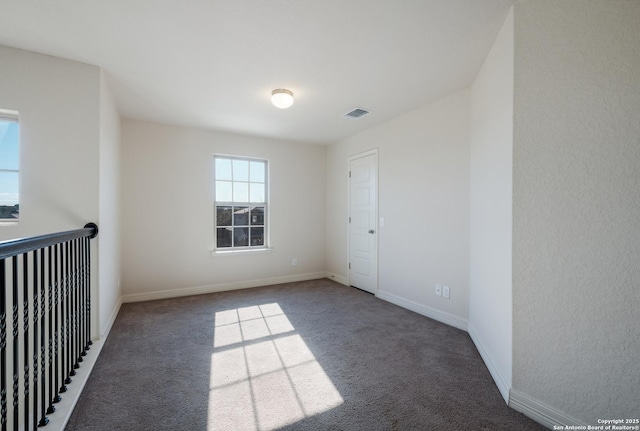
[{"x": 373, "y": 151}]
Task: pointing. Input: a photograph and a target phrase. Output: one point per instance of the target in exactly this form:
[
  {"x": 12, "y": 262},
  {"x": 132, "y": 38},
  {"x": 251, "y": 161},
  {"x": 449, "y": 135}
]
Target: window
[
  {"x": 240, "y": 210},
  {"x": 9, "y": 202}
]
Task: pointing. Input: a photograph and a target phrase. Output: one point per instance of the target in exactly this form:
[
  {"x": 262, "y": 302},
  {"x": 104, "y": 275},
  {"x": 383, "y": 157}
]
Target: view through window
[
  {"x": 9, "y": 166},
  {"x": 240, "y": 203}
]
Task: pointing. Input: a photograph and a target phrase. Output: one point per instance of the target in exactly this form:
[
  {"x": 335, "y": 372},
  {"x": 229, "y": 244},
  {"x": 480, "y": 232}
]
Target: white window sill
[{"x": 217, "y": 253}]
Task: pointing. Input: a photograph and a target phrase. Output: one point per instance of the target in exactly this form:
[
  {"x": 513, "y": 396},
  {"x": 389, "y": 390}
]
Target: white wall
[
  {"x": 424, "y": 198},
  {"x": 58, "y": 102},
  {"x": 576, "y": 206},
  {"x": 68, "y": 159},
  {"x": 109, "y": 218},
  {"x": 167, "y": 211},
  {"x": 491, "y": 147}
]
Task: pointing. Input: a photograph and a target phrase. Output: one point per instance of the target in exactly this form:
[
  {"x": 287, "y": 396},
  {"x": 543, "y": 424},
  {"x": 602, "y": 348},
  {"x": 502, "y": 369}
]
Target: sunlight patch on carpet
[{"x": 263, "y": 375}]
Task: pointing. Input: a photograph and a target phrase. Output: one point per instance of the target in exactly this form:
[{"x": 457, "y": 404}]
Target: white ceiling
[{"x": 213, "y": 63}]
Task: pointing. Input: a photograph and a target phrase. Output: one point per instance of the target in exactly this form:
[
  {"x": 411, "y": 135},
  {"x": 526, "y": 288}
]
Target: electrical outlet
[
  {"x": 294, "y": 262},
  {"x": 445, "y": 292},
  {"x": 438, "y": 290}
]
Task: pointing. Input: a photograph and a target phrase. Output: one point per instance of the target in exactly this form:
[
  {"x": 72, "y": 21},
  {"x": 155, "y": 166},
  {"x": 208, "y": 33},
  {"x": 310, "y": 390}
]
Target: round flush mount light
[{"x": 282, "y": 98}]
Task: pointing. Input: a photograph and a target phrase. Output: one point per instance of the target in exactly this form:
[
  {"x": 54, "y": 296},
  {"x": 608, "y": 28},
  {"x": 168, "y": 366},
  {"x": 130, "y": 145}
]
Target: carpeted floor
[{"x": 301, "y": 356}]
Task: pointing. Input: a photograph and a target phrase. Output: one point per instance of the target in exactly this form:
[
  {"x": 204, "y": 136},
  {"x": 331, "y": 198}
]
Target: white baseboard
[
  {"x": 222, "y": 287},
  {"x": 59, "y": 419},
  {"x": 338, "y": 278},
  {"x": 112, "y": 319},
  {"x": 540, "y": 412},
  {"x": 440, "y": 316},
  {"x": 504, "y": 386}
]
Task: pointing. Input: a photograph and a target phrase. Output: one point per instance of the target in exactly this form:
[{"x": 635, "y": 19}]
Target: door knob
[{"x": 371, "y": 231}]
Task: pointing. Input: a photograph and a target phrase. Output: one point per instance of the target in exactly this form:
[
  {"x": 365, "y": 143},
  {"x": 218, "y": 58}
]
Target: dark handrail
[{"x": 19, "y": 246}]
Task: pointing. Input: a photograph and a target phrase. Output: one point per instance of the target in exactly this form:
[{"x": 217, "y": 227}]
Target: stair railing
[{"x": 45, "y": 322}]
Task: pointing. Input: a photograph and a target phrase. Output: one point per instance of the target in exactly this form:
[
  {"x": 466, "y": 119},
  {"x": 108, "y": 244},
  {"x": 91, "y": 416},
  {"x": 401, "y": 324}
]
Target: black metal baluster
[
  {"x": 57, "y": 257},
  {"x": 76, "y": 315},
  {"x": 25, "y": 328},
  {"x": 72, "y": 282},
  {"x": 83, "y": 299},
  {"x": 88, "y": 278},
  {"x": 52, "y": 281},
  {"x": 36, "y": 311},
  {"x": 70, "y": 344},
  {"x": 67, "y": 323},
  {"x": 80, "y": 335},
  {"x": 16, "y": 344},
  {"x": 63, "y": 350},
  {"x": 3, "y": 345},
  {"x": 43, "y": 367},
  {"x": 63, "y": 321}
]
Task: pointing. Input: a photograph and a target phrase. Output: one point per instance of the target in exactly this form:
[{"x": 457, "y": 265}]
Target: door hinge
[
  {"x": 349, "y": 265},
  {"x": 349, "y": 219},
  {"x": 349, "y": 174}
]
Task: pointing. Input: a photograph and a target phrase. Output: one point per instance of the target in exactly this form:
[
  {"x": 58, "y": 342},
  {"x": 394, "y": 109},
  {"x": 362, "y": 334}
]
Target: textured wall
[
  {"x": 576, "y": 233},
  {"x": 491, "y": 145}
]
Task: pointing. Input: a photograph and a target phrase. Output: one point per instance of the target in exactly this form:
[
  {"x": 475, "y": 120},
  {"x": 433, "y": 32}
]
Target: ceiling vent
[{"x": 356, "y": 113}]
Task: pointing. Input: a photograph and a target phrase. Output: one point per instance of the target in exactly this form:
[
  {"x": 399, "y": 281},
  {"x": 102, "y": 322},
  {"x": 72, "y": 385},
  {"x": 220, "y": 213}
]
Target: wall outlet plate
[
  {"x": 445, "y": 292},
  {"x": 438, "y": 290}
]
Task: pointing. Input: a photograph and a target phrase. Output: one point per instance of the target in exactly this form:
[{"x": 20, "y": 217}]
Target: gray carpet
[{"x": 301, "y": 356}]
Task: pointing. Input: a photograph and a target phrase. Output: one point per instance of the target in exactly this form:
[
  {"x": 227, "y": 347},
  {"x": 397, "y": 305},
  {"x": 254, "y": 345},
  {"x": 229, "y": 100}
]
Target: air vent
[{"x": 356, "y": 113}]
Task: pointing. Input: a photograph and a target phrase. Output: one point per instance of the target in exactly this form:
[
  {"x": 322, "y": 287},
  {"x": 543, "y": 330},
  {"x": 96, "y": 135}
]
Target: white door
[{"x": 363, "y": 213}]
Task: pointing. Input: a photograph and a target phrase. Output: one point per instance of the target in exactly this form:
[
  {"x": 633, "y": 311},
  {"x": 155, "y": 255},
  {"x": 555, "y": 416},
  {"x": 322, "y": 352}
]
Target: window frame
[
  {"x": 265, "y": 204},
  {"x": 13, "y": 117}
]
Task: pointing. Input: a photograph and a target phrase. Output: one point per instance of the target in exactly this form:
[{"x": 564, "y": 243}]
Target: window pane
[
  {"x": 240, "y": 170},
  {"x": 257, "y": 172},
  {"x": 9, "y": 208},
  {"x": 257, "y": 216},
  {"x": 256, "y": 192},
  {"x": 257, "y": 236},
  {"x": 223, "y": 216},
  {"x": 223, "y": 237},
  {"x": 223, "y": 191},
  {"x": 240, "y": 192},
  {"x": 8, "y": 145},
  {"x": 223, "y": 169},
  {"x": 240, "y": 202},
  {"x": 241, "y": 216},
  {"x": 241, "y": 236}
]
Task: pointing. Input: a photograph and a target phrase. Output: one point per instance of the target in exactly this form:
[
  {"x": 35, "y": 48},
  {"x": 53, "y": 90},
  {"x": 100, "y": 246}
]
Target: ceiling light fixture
[{"x": 282, "y": 98}]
